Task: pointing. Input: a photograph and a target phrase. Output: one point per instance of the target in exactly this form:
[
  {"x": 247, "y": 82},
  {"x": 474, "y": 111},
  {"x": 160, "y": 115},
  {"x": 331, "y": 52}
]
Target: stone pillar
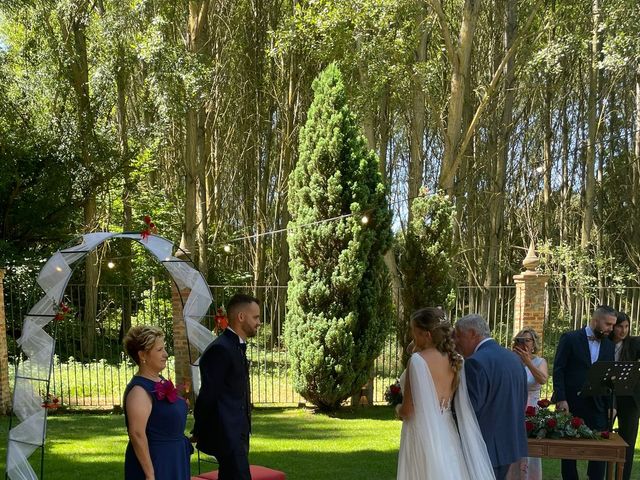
[
  {"x": 180, "y": 346},
  {"x": 531, "y": 296},
  {"x": 5, "y": 393}
]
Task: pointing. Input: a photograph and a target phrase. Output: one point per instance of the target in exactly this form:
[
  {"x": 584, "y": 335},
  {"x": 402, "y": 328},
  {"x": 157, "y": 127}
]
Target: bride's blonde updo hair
[{"x": 434, "y": 320}]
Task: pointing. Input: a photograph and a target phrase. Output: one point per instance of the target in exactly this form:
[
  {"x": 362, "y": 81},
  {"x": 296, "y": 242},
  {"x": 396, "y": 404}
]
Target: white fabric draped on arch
[{"x": 38, "y": 345}]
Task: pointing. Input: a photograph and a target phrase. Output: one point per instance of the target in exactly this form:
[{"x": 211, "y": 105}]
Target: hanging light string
[
  {"x": 364, "y": 220},
  {"x": 288, "y": 229}
]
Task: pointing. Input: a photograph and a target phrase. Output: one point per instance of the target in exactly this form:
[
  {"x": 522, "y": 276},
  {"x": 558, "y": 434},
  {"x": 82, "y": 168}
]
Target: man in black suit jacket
[
  {"x": 575, "y": 354},
  {"x": 223, "y": 408}
]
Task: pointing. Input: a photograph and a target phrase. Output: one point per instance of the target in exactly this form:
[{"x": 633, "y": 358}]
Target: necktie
[{"x": 593, "y": 338}]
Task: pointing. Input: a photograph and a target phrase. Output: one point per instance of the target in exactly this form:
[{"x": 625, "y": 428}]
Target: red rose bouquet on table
[
  {"x": 393, "y": 394},
  {"x": 541, "y": 422}
]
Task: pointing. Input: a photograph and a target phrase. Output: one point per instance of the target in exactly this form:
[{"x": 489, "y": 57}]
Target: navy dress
[{"x": 169, "y": 448}]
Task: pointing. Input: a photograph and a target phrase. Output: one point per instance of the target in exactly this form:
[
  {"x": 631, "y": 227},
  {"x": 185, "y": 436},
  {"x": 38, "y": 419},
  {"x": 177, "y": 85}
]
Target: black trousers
[
  {"x": 235, "y": 464},
  {"x": 595, "y": 470},
  {"x": 628, "y": 415}
]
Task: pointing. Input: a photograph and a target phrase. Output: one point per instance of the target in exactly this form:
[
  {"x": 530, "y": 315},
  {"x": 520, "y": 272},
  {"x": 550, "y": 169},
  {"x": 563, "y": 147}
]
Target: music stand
[{"x": 609, "y": 378}]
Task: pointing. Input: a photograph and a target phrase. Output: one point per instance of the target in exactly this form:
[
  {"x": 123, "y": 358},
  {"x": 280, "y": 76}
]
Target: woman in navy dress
[{"x": 155, "y": 415}]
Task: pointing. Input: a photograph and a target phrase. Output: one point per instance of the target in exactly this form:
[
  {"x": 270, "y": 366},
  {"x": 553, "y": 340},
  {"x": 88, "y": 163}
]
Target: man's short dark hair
[
  {"x": 238, "y": 300},
  {"x": 602, "y": 310}
]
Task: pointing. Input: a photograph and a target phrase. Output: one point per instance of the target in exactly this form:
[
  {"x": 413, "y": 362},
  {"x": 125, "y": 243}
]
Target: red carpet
[{"x": 257, "y": 473}]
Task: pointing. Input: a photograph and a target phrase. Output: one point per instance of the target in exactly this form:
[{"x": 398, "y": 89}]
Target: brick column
[
  {"x": 5, "y": 393},
  {"x": 180, "y": 347},
  {"x": 531, "y": 296}
]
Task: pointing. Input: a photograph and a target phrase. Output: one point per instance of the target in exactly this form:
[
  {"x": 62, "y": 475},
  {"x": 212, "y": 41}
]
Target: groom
[
  {"x": 575, "y": 354},
  {"x": 223, "y": 409},
  {"x": 497, "y": 385}
]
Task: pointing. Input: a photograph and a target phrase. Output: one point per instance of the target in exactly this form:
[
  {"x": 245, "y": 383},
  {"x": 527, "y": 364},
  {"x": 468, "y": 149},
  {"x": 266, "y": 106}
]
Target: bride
[{"x": 432, "y": 446}]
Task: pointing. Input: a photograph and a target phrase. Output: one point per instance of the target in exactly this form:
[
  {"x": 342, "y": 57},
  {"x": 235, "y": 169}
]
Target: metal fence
[
  {"x": 96, "y": 375},
  {"x": 93, "y": 372}
]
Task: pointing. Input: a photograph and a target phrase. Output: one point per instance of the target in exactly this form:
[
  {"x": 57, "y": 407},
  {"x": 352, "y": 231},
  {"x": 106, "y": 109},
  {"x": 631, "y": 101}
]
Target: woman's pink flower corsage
[{"x": 164, "y": 389}]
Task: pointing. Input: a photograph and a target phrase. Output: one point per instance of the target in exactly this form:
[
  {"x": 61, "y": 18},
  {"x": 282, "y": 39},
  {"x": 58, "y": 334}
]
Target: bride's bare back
[{"x": 441, "y": 372}]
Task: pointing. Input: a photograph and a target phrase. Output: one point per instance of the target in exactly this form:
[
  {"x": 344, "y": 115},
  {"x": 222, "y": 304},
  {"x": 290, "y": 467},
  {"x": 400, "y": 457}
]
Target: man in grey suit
[{"x": 497, "y": 385}]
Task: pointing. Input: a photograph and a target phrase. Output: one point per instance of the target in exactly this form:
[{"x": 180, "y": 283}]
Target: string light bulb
[
  {"x": 364, "y": 219},
  {"x": 111, "y": 264},
  {"x": 540, "y": 169},
  {"x": 227, "y": 248}
]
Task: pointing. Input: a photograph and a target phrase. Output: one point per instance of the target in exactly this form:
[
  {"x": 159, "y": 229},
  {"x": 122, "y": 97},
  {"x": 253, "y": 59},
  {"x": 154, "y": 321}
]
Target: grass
[{"x": 357, "y": 444}]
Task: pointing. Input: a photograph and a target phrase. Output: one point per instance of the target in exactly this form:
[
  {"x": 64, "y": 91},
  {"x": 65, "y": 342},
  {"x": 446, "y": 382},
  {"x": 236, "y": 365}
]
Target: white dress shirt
[
  {"x": 242, "y": 340},
  {"x": 594, "y": 345},
  {"x": 483, "y": 341}
]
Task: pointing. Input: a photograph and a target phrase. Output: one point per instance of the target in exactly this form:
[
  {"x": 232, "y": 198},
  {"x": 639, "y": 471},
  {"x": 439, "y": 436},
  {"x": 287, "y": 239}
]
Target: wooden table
[{"x": 611, "y": 451}]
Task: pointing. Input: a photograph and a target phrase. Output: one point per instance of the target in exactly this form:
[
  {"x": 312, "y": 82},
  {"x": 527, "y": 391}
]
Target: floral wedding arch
[{"x": 34, "y": 371}]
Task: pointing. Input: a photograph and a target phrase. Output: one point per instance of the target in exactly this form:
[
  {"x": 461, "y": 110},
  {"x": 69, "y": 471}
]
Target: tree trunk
[
  {"x": 127, "y": 191},
  {"x": 635, "y": 188},
  {"x": 195, "y": 155},
  {"x": 418, "y": 110},
  {"x": 202, "y": 210},
  {"x": 502, "y": 154},
  {"x": 188, "y": 242},
  {"x": 73, "y": 29},
  {"x": 547, "y": 156},
  {"x": 635, "y": 196},
  {"x": 460, "y": 58},
  {"x": 287, "y": 161},
  {"x": 262, "y": 137},
  {"x": 564, "y": 209},
  {"x": 384, "y": 126},
  {"x": 592, "y": 126}
]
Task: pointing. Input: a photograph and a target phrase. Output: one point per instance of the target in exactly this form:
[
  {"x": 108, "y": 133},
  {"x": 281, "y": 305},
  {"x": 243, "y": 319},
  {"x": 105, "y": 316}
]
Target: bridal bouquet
[
  {"x": 393, "y": 394},
  {"x": 544, "y": 423}
]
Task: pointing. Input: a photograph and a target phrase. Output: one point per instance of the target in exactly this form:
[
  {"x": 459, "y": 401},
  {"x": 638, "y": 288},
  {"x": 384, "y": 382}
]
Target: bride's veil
[
  {"x": 473, "y": 446},
  {"x": 426, "y": 446}
]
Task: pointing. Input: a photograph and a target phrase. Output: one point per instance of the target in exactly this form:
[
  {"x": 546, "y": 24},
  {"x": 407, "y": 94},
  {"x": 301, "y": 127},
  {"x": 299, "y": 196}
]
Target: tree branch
[
  {"x": 492, "y": 86},
  {"x": 444, "y": 26}
]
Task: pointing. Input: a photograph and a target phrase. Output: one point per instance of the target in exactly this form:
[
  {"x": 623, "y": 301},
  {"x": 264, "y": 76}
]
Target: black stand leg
[{"x": 611, "y": 409}]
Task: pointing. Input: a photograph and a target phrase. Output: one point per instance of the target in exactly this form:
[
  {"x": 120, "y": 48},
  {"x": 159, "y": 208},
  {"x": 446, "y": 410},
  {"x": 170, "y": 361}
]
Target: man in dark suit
[
  {"x": 223, "y": 408},
  {"x": 575, "y": 354},
  {"x": 497, "y": 384}
]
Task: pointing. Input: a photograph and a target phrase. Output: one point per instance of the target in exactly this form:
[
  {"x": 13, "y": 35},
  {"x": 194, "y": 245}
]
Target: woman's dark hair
[
  {"x": 621, "y": 317},
  {"x": 434, "y": 320}
]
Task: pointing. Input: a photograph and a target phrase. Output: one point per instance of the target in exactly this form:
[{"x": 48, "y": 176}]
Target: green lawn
[{"x": 356, "y": 445}]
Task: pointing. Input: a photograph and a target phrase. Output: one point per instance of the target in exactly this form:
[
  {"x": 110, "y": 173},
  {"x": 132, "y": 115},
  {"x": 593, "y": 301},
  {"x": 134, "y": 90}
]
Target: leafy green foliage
[
  {"x": 36, "y": 186},
  {"x": 426, "y": 253},
  {"x": 339, "y": 302},
  {"x": 579, "y": 268}
]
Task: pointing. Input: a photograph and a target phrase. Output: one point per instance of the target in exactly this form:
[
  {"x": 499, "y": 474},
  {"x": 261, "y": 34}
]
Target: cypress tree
[
  {"x": 426, "y": 253},
  {"x": 339, "y": 301}
]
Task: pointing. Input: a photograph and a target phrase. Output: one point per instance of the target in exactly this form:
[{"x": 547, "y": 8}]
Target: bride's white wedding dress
[{"x": 432, "y": 447}]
